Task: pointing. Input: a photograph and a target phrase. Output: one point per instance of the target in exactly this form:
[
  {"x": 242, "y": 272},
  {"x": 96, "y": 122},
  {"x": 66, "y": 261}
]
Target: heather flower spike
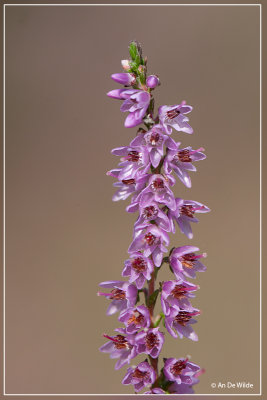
[{"x": 147, "y": 171}]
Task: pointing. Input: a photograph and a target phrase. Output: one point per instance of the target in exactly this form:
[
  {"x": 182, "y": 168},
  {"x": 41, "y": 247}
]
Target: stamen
[
  {"x": 193, "y": 256},
  {"x": 150, "y": 212},
  {"x": 184, "y": 317},
  {"x": 188, "y": 260},
  {"x": 200, "y": 372},
  {"x": 198, "y": 208},
  {"x": 178, "y": 367},
  {"x": 151, "y": 340},
  {"x": 187, "y": 210},
  {"x": 154, "y": 139},
  {"x": 128, "y": 181},
  {"x": 139, "y": 264},
  {"x": 115, "y": 294},
  {"x": 120, "y": 342},
  {"x": 187, "y": 264},
  {"x": 150, "y": 239},
  {"x": 179, "y": 291},
  {"x": 140, "y": 374},
  {"x": 133, "y": 156},
  {"x": 157, "y": 184},
  {"x": 137, "y": 318},
  {"x": 171, "y": 114},
  {"x": 197, "y": 150},
  {"x": 110, "y": 338},
  {"x": 184, "y": 156}
]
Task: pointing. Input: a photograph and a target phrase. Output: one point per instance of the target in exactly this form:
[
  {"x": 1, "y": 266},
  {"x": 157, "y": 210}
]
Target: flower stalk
[{"x": 148, "y": 169}]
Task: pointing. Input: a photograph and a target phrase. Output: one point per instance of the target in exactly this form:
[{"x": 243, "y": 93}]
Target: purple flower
[
  {"x": 152, "y": 81},
  {"x": 124, "y": 78},
  {"x": 181, "y": 321},
  {"x": 157, "y": 189},
  {"x": 140, "y": 376},
  {"x": 139, "y": 268},
  {"x": 176, "y": 294},
  {"x": 184, "y": 215},
  {"x": 150, "y": 342},
  {"x": 117, "y": 93},
  {"x": 121, "y": 347},
  {"x": 146, "y": 173},
  {"x": 136, "y": 102},
  {"x": 123, "y": 295},
  {"x": 185, "y": 263},
  {"x": 184, "y": 388},
  {"x": 128, "y": 187},
  {"x": 151, "y": 212},
  {"x": 180, "y": 161},
  {"x": 154, "y": 141},
  {"x": 180, "y": 370},
  {"x": 155, "y": 391},
  {"x": 151, "y": 242},
  {"x": 133, "y": 159},
  {"x": 173, "y": 117},
  {"x": 135, "y": 318}
]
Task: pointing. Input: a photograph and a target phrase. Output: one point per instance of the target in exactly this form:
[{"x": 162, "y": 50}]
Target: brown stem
[
  {"x": 151, "y": 288},
  {"x": 154, "y": 364}
]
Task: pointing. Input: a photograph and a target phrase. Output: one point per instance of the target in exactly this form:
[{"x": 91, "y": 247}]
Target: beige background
[{"x": 63, "y": 233}]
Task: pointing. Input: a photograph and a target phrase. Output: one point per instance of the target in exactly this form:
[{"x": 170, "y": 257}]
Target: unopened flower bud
[
  {"x": 152, "y": 81},
  {"x": 141, "y": 68},
  {"x": 125, "y": 65},
  {"x": 123, "y": 78}
]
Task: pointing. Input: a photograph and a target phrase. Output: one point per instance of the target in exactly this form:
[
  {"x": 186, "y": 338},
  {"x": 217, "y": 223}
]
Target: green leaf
[
  {"x": 134, "y": 66},
  {"x": 162, "y": 317},
  {"x": 153, "y": 298},
  {"x": 142, "y": 78},
  {"x": 133, "y": 50},
  {"x": 137, "y": 59}
]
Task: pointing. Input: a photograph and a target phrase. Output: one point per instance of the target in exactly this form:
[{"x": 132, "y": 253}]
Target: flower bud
[
  {"x": 141, "y": 68},
  {"x": 123, "y": 78},
  {"x": 116, "y": 93},
  {"x": 152, "y": 81},
  {"x": 125, "y": 65}
]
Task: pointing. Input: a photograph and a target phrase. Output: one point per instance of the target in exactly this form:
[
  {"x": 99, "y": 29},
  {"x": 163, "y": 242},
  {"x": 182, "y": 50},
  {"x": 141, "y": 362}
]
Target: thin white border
[
  {"x": 4, "y": 221},
  {"x": 4, "y": 202},
  {"x": 131, "y": 5},
  {"x": 260, "y": 199}
]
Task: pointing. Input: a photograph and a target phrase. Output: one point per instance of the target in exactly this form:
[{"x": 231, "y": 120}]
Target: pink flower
[{"x": 173, "y": 117}]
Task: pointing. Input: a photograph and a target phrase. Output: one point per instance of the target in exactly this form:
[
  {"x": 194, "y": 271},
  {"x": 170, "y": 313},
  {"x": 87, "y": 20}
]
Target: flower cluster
[{"x": 148, "y": 169}]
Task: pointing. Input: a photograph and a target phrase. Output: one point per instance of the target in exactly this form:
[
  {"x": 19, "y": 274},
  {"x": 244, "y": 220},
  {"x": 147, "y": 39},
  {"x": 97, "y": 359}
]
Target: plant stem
[
  {"x": 151, "y": 289},
  {"x": 154, "y": 364}
]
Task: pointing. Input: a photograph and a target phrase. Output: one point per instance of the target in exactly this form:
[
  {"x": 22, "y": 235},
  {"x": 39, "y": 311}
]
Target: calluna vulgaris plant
[{"x": 145, "y": 172}]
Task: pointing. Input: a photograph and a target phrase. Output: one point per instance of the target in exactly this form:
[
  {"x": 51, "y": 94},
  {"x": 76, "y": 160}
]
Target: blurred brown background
[{"x": 64, "y": 234}]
